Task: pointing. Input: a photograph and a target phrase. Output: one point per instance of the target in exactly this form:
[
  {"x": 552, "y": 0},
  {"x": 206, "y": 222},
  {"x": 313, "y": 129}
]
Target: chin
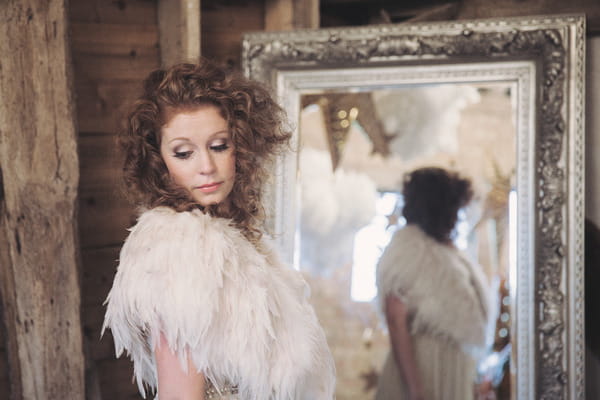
[
  {"x": 211, "y": 200},
  {"x": 207, "y": 203}
]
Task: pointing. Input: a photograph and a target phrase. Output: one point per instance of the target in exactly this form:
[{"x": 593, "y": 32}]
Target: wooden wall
[
  {"x": 114, "y": 45},
  {"x": 4, "y": 377},
  {"x": 223, "y": 23}
]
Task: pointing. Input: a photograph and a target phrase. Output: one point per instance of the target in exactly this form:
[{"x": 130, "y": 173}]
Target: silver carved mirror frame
[{"x": 544, "y": 58}]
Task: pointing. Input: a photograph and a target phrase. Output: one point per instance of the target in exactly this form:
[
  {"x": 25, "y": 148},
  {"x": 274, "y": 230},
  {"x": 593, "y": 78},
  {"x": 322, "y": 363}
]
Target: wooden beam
[
  {"x": 113, "y": 12},
  {"x": 38, "y": 234},
  {"x": 511, "y": 8},
  {"x": 179, "y": 31},
  {"x": 444, "y": 12},
  {"x": 281, "y": 15}
]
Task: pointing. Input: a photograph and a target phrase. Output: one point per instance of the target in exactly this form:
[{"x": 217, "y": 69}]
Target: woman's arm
[
  {"x": 173, "y": 382},
  {"x": 396, "y": 314}
]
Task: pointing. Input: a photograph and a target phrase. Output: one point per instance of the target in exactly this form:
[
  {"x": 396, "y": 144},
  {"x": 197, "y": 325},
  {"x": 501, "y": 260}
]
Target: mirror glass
[{"x": 354, "y": 148}]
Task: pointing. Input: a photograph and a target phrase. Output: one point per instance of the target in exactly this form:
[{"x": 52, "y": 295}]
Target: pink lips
[{"x": 210, "y": 187}]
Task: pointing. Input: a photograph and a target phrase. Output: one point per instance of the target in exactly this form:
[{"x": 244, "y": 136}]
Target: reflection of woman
[
  {"x": 433, "y": 299},
  {"x": 200, "y": 300}
]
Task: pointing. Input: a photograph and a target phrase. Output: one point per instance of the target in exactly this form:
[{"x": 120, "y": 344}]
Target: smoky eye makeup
[
  {"x": 219, "y": 147},
  {"x": 181, "y": 151},
  {"x": 182, "y": 154},
  {"x": 220, "y": 144}
]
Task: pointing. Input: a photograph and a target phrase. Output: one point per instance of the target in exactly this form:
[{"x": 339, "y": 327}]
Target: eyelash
[
  {"x": 183, "y": 155},
  {"x": 219, "y": 148}
]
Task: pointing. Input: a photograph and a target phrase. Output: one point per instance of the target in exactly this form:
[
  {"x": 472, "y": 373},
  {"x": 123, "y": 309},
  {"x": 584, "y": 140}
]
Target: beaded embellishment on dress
[{"x": 227, "y": 392}]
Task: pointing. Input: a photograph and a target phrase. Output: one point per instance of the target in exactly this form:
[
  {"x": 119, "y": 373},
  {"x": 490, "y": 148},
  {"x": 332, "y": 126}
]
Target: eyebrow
[{"x": 212, "y": 135}]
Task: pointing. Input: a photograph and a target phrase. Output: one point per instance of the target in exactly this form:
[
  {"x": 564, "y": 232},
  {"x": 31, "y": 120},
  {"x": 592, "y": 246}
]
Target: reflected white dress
[
  {"x": 241, "y": 315},
  {"x": 448, "y": 311}
]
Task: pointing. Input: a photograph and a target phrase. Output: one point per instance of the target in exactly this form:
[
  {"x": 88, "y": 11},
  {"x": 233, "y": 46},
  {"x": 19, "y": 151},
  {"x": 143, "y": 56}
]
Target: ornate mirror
[{"x": 501, "y": 101}]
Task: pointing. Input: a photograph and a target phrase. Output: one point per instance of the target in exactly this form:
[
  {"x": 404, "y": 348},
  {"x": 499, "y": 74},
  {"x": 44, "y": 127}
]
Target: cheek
[
  {"x": 176, "y": 173},
  {"x": 231, "y": 165}
]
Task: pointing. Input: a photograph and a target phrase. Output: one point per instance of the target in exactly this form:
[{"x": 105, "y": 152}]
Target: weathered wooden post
[
  {"x": 283, "y": 15},
  {"x": 38, "y": 191},
  {"x": 179, "y": 30}
]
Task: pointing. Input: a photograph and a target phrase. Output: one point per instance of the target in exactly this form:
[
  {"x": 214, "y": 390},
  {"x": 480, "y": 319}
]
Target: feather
[
  {"x": 241, "y": 314},
  {"x": 445, "y": 293}
]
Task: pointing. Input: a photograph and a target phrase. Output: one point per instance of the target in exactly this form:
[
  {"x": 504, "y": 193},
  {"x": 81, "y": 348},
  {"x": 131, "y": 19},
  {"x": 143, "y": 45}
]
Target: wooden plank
[
  {"x": 224, "y": 48},
  {"x": 113, "y": 12},
  {"x": 7, "y": 333},
  {"x": 116, "y": 379},
  {"x": 92, "y": 380},
  {"x": 114, "y": 39},
  {"x": 228, "y": 16},
  {"x": 179, "y": 26},
  {"x": 111, "y": 68},
  {"x": 223, "y": 24},
  {"x": 98, "y": 270},
  {"x": 104, "y": 216},
  {"x": 103, "y": 105},
  {"x": 99, "y": 348},
  {"x": 4, "y": 373},
  {"x": 101, "y": 163},
  {"x": 4, "y": 383},
  {"x": 115, "y": 45},
  {"x": 38, "y": 159},
  {"x": 3, "y": 360}
]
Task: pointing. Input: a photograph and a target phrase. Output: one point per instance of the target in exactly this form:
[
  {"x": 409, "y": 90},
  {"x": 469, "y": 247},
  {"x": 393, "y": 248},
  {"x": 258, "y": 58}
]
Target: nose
[{"x": 205, "y": 164}]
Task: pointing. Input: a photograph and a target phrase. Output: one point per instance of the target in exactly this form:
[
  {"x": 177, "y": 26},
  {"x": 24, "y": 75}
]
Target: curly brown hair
[
  {"x": 432, "y": 199},
  {"x": 256, "y": 123}
]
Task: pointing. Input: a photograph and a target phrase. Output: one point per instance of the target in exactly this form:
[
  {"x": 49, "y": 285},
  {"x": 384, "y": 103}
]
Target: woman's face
[{"x": 199, "y": 153}]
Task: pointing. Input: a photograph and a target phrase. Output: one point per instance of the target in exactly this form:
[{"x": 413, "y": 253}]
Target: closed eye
[
  {"x": 220, "y": 147},
  {"x": 183, "y": 154}
]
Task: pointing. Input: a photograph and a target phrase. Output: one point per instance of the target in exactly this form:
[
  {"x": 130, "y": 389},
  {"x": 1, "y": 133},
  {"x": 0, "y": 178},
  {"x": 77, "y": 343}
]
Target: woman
[
  {"x": 432, "y": 297},
  {"x": 200, "y": 301}
]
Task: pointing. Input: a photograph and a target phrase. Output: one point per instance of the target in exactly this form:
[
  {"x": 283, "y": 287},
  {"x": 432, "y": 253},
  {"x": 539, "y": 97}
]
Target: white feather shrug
[
  {"x": 446, "y": 295},
  {"x": 241, "y": 315}
]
